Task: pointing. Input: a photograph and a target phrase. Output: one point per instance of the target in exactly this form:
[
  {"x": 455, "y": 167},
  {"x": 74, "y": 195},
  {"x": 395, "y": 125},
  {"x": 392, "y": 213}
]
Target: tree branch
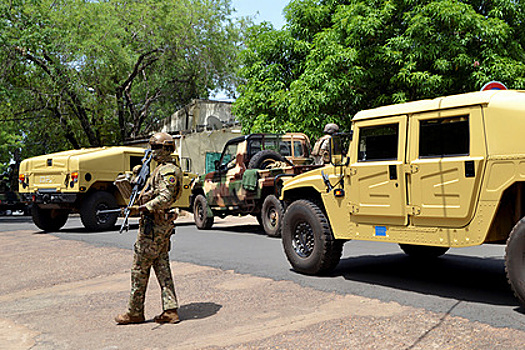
[{"x": 123, "y": 92}]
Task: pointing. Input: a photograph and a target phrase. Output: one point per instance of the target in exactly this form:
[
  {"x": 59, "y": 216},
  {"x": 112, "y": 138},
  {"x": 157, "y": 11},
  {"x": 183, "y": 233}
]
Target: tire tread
[
  {"x": 331, "y": 247},
  {"x": 518, "y": 229}
]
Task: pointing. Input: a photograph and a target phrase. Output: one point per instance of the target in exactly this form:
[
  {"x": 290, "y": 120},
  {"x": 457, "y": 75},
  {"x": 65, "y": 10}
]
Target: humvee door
[
  {"x": 446, "y": 166},
  {"x": 378, "y": 186}
]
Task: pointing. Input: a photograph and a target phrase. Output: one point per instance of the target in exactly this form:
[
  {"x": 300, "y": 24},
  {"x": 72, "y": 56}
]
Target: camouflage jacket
[
  {"x": 321, "y": 150},
  {"x": 163, "y": 188}
]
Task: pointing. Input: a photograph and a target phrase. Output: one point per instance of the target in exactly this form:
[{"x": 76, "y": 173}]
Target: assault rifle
[{"x": 139, "y": 183}]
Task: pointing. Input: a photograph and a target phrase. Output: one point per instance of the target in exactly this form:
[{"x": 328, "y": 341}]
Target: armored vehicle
[
  {"x": 247, "y": 177},
  {"x": 81, "y": 181},
  {"x": 428, "y": 175}
]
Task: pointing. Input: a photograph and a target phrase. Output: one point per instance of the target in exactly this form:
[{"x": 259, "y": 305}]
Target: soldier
[
  {"x": 321, "y": 151},
  {"x": 155, "y": 229}
]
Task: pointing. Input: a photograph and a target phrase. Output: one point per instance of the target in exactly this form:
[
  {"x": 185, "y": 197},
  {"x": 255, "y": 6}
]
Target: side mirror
[{"x": 339, "y": 146}]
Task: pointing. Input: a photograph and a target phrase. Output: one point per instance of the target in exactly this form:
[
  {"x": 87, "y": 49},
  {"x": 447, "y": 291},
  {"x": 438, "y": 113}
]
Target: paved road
[{"x": 467, "y": 282}]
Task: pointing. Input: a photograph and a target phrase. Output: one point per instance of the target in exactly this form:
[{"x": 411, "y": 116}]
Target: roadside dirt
[{"x": 61, "y": 294}]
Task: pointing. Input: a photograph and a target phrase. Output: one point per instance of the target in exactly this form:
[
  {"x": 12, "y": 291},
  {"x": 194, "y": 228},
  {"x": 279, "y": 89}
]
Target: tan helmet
[
  {"x": 331, "y": 128},
  {"x": 162, "y": 139}
]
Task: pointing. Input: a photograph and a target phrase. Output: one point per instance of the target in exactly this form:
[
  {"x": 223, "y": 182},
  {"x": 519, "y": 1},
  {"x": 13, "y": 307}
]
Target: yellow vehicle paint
[
  {"x": 429, "y": 175},
  {"x": 82, "y": 181}
]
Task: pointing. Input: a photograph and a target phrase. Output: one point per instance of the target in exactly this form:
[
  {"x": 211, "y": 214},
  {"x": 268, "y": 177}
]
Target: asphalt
[{"x": 63, "y": 294}]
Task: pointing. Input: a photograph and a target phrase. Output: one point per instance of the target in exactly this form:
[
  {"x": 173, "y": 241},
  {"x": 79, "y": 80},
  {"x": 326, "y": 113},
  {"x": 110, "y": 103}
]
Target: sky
[
  {"x": 263, "y": 10},
  {"x": 259, "y": 10}
]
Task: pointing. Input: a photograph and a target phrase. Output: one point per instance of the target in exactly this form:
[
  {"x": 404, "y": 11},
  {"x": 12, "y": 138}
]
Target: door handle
[
  {"x": 392, "y": 170},
  {"x": 470, "y": 168}
]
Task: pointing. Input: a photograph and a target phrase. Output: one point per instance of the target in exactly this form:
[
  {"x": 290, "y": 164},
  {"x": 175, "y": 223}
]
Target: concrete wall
[
  {"x": 201, "y": 129},
  {"x": 194, "y": 147},
  {"x": 200, "y": 115}
]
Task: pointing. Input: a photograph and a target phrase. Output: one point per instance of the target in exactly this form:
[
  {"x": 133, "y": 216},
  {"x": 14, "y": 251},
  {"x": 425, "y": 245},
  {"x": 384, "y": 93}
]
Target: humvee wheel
[
  {"x": 272, "y": 215},
  {"x": 515, "y": 261},
  {"x": 200, "y": 213},
  {"x": 49, "y": 220},
  {"x": 99, "y": 200},
  {"x": 307, "y": 239},
  {"x": 423, "y": 251}
]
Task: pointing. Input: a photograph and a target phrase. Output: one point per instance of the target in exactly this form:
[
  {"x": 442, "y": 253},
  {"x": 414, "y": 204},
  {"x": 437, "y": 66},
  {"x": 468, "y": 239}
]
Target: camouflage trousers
[{"x": 151, "y": 250}]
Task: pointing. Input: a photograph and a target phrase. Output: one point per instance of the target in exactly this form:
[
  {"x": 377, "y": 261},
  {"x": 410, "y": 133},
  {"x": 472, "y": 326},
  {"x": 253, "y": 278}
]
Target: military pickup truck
[
  {"x": 428, "y": 175},
  {"x": 247, "y": 178},
  {"x": 82, "y": 181}
]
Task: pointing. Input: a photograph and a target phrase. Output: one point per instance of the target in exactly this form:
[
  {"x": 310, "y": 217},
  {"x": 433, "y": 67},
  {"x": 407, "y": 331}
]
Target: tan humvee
[
  {"x": 82, "y": 181},
  {"x": 428, "y": 175}
]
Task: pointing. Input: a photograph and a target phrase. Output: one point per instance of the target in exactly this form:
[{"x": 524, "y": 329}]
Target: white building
[{"x": 204, "y": 127}]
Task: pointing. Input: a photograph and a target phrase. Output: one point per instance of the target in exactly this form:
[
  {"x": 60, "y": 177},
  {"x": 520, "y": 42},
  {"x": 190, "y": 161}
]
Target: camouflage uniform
[
  {"x": 321, "y": 150},
  {"x": 153, "y": 241}
]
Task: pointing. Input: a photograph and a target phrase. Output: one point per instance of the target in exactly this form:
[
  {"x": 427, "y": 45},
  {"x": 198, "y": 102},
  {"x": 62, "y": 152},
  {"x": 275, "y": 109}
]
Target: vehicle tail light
[
  {"x": 22, "y": 179},
  {"x": 74, "y": 176}
]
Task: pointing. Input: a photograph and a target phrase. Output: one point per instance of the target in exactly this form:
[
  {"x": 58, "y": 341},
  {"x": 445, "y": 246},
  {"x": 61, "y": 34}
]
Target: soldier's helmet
[
  {"x": 162, "y": 145},
  {"x": 331, "y": 128},
  {"x": 162, "y": 140}
]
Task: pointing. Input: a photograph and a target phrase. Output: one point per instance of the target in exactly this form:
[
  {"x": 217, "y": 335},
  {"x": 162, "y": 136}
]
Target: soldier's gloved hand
[
  {"x": 134, "y": 210},
  {"x": 137, "y": 209},
  {"x": 136, "y": 169}
]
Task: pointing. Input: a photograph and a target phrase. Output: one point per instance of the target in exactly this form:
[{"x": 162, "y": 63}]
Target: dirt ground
[{"x": 61, "y": 294}]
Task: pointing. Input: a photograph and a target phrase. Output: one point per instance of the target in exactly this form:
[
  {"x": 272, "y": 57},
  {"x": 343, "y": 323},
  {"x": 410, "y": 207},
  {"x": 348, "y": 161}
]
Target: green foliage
[
  {"x": 350, "y": 55},
  {"x": 78, "y": 73}
]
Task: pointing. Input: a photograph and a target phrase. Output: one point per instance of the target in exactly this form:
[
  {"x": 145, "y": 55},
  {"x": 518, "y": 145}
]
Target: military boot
[
  {"x": 168, "y": 316},
  {"x": 128, "y": 319}
]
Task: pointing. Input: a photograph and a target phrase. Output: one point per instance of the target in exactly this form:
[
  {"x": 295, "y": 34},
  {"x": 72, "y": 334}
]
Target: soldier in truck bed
[
  {"x": 156, "y": 226},
  {"x": 321, "y": 150}
]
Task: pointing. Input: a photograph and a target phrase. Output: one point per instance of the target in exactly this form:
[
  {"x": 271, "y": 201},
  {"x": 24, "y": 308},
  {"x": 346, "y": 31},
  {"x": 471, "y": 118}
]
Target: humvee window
[
  {"x": 444, "y": 137},
  {"x": 378, "y": 142},
  {"x": 133, "y": 161}
]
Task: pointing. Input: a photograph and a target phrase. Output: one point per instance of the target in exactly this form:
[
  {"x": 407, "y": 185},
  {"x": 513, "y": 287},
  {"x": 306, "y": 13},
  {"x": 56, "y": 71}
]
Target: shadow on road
[
  {"x": 198, "y": 311},
  {"x": 472, "y": 279}
]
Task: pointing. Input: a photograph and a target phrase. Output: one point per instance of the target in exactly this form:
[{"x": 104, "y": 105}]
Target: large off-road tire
[
  {"x": 99, "y": 200},
  {"x": 49, "y": 220},
  {"x": 307, "y": 239},
  {"x": 515, "y": 261},
  {"x": 272, "y": 216},
  {"x": 200, "y": 213},
  {"x": 423, "y": 251},
  {"x": 265, "y": 159}
]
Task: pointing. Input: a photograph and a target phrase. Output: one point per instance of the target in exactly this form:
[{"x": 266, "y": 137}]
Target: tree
[
  {"x": 362, "y": 54},
  {"x": 82, "y": 73}
]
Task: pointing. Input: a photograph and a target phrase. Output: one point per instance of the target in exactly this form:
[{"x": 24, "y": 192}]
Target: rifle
[{"x": 140, "y": 182}]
